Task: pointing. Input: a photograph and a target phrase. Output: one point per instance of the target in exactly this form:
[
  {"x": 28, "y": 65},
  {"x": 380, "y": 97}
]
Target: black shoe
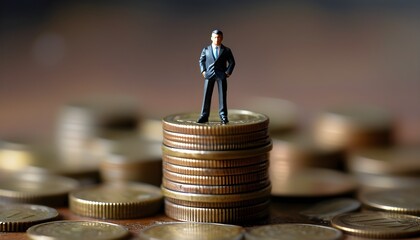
[
  {"x": 203, "y": 119},
  {"x": 225, "y": 120}
]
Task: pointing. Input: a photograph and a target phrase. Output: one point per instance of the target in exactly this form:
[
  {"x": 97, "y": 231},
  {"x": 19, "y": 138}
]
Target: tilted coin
[
  {"x": 377, "y": 224},
  {"x": 216, "y": 163},
  {"x": 240, "y": 121},
  {"x": 217, "y": 215},
  {"x": 192, "y": 231},
  {"x": 293, "y": 231},
  {"x": 19, "y": 217},
  {"x": 222, "y": 189},
  {"x": 116, "y": 201},
  {"x": 215, "y": 180},
  {"x": 195, "y": 197},
  {"x": 326, "y": 210},
  {"x": 81, "y": 230},
  {"x": 312, "y": 182},
  {"x": 216, "y": 155},
  {"x": 36, "y": 188},
  {"x": 394, "y": 200},
  {"x": 215, "y": 171}
]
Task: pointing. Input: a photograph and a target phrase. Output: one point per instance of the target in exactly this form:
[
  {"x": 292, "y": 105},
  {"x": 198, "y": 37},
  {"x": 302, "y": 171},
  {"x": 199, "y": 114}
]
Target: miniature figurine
[{"x": 216, "y": 65}]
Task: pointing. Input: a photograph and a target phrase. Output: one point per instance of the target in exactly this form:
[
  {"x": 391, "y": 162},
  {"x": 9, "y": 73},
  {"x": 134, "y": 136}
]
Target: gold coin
[
  {"x": 216, "y": 155},
  {"x": 200, "y": 189},
  {"x": 401, "y": 160},
  {"x": 215, "y": 180},
  {"x": 312, "y": 182},
  {"x": 405, "y": 201},
  {"x": 215, "y": 140},
  {"x": 215, "y": 171},
  {"x": 354, "y": 127},
  {"x": 218, "y": 147},
  {"x": 19, "y": 217},
  {"x": 377, "y": 224},
  {"x": 36, "y": 188},
  {"x": 192, "y": 231},
  {"x": 195, "y": 197},
  {"x": 81, "y": 230},
  {"x": 240, "y": 122},
  {"x": 326, "y": 210},
  {"x": 218, "y": 163},
  {"x": 116, "y": 201},
  {"x": 293, "y": 231},
  {"x": 217, "y": 215}
]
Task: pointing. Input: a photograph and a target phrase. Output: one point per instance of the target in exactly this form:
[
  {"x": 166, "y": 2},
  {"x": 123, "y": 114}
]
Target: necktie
[{"x": 216, "y": 54}]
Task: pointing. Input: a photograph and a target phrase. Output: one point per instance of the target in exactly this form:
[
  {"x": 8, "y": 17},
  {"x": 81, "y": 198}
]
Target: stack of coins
[{"x": 214, "y": 172}]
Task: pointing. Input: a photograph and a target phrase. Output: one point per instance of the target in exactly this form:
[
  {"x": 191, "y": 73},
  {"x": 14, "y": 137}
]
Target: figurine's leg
[
  {"x": 222, "y": 88},
  {"x": 208, "y": 92}
]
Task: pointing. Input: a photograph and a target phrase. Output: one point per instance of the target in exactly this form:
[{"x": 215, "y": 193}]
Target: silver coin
[{"x": 326, "y": 210}]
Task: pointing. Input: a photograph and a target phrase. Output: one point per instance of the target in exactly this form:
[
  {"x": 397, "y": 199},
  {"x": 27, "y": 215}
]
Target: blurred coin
[
  {"x": 35, "y": 188},
  {"x": 192, "y": 231},
  {"x": 405, "y": 201},
  {"x": 377, "y": 224},
  {"x": 293, "y": 231},
  {"x": 379, "y": 182},
  {"x": 401, "y": 160},
  {"x": 81, "y": 230},
  {"x": 217, "y": 215},
  {"x": 19, "y": 217},
  {"x": 312, "y": 182},
  {"x": 326, "y": 210},
  {"x": 283, "y": 114},
  {"x": 116, "y": 201},
  {"x": 151, "y": 129},
  {"x": 353, "y": 127},
  {"x": 240, "y": 122},
  {"x": 15, "y": 155}
]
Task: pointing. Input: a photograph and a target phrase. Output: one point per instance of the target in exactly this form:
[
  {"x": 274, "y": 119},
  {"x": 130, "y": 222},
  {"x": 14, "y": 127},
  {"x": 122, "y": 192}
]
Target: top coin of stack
[{"x": 216, "y": 172}]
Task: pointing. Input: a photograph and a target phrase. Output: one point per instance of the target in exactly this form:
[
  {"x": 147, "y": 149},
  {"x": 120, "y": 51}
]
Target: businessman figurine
[{"x": 216, "y": 65}]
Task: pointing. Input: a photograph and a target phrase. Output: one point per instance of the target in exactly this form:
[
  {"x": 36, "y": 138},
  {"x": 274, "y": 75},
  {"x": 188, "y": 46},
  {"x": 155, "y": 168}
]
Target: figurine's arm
[
  {"x": 231, "y": 63},
  {"x": 202, "y": 62}
]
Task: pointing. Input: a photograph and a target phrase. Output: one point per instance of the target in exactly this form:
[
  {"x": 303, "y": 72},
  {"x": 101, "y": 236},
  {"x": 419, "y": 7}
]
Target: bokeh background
[{"x": 315, "y": 54}]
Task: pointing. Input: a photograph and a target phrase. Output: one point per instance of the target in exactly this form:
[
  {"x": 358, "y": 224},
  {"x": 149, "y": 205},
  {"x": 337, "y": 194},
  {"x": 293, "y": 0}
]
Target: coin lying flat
[
  {"x": 240, "y": 121},
  {"x": 19, "y": 217},
  {"x": 192, "y": 231},
  {"x": 215, "y": 171},
  {"x": 116, "y": 201},
  {"x": 326, "y": 210},
  {"x": 405, "y": 201},
  {"x": 80, "y": 230},
  {"x": 211, "y": 163},
  {"x": 293, "y": 231},
  {"x": 36, "y": 188},
  {"x": 377, "y": 224}
]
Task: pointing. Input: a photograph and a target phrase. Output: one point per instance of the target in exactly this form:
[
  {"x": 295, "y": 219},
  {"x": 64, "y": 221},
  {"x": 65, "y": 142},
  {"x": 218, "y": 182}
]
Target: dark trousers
[{"x": 208, "y": 92}]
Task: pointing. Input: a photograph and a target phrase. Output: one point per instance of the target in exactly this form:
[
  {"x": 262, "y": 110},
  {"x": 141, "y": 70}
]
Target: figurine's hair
[{"x": 218, "y": 32}]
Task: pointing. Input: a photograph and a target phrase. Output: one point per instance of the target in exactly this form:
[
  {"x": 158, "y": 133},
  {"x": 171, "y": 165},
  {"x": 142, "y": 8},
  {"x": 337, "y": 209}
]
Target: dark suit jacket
[{"x": 221, "y": 66}]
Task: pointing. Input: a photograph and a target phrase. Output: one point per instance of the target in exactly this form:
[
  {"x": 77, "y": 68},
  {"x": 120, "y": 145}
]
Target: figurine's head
[{"x": 217, "y": 37}]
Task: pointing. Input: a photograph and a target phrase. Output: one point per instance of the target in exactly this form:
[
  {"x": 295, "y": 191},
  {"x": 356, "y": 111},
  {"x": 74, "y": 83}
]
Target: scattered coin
[
  {"x": 116, "y": 201},
  {"x": 326, "y": 210},
  {"x": 19, "y": 217},
  {"x": 405, "y": 201},
  {"x": 192, "y": 231},
  {"x": 80, "y": 230},
  {"x": 293, "y": 231},
  {"x": 377, "y": 224}
]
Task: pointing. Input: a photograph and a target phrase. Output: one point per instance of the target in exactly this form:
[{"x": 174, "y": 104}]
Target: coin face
[
  {"x": 18, "y": 217},
  {"x": 240, "y": 121},
  {"x": 293, "y": 232},
  {"x": 326, "y": 210},
  {"x": 394, "y": 200},
  {"x": 377, "y": 224},
  {"x": 81, "y": 230},
  {"x": 192, "y": 231}
]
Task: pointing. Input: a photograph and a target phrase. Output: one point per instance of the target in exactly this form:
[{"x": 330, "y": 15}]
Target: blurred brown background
[{"x": 313, "y": 53}]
